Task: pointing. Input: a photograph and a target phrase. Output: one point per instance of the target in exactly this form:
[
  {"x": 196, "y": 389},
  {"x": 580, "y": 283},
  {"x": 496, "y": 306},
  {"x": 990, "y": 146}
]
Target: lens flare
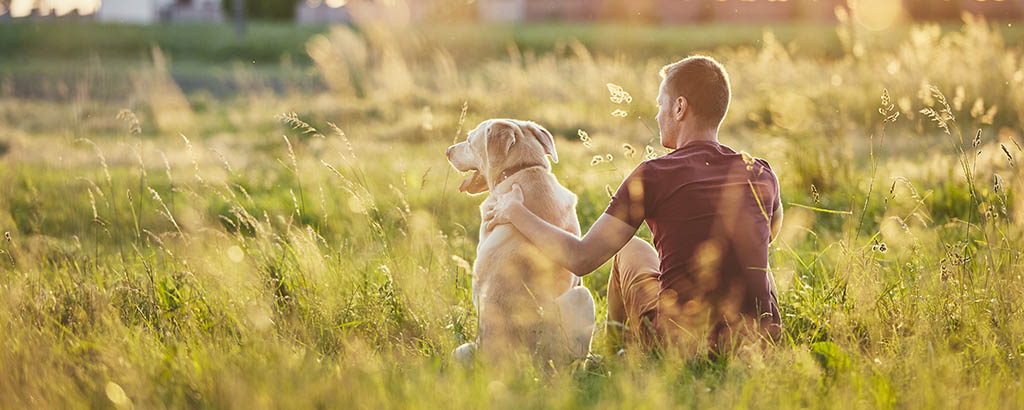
[{"x": 876, "y": 14}]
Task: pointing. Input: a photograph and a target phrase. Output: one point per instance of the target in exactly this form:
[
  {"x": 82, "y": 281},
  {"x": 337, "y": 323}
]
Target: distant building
[
  {"x": 534, "y": 10},
  {"x": 193, "y": 10},
  {"x": 153, "y": 11},
  {"x": 763, "y": 10},
  {"x": 319, "y": 12},
  {"x": 668, "y": 11},
  {"x": 352, "y": 11},
  {"x": 501, "y": 10},
  {"x": 687, "y": 11},
  {"x": 129, "y": 11}
]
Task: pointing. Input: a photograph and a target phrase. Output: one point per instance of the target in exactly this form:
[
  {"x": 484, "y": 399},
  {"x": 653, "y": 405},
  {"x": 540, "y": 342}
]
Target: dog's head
[{"x": 497, "y": 145}]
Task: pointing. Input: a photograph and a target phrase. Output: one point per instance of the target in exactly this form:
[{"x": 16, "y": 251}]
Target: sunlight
[
  {"x": 876, "y": 14},
  {"x": 24, "y": 8}
]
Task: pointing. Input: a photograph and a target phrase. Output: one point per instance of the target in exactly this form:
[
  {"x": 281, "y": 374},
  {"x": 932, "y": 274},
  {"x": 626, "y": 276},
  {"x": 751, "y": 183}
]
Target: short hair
[{"x": 705, "y": 85}]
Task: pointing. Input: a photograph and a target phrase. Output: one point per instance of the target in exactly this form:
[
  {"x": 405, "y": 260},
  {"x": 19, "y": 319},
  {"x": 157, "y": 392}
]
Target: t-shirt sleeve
[
  {"x": 773, "y": 179},
  {"x": 629, "y": 204}
]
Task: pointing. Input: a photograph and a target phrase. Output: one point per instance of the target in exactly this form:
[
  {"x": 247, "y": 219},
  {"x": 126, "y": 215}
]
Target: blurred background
[
  {"x": 38, "y": 38},
  {"x": 245, "y": 203}
]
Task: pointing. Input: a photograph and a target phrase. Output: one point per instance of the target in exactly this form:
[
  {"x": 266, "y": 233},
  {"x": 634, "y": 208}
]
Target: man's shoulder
[
  {"x": 764, "y": 166},
  {"x": 763, "y": 162}
]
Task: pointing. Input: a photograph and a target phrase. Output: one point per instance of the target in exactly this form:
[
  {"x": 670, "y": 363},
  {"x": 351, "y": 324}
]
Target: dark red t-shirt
[{"x": 710, "y": 211}]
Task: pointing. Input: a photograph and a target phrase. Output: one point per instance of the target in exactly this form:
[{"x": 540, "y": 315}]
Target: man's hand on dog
[{"x": 499, "y": 211}]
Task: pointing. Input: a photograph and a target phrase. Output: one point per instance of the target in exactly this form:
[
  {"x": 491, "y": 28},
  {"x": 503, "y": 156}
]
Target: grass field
[{"x": 295, "y": 238}]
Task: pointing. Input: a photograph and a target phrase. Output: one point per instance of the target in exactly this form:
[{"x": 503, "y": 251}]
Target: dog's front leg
[{"x": 465, "y": 354}]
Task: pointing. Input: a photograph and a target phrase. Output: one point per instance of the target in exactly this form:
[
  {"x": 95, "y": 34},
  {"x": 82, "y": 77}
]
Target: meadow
[{"x": 186, "y": 226}]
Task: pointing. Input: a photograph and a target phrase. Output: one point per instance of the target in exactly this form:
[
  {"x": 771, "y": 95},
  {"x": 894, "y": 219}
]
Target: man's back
[{"x": 709, "y": 209}]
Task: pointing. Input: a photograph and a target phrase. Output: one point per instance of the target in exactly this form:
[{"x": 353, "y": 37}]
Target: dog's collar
[{"x": 508, "y": 172}]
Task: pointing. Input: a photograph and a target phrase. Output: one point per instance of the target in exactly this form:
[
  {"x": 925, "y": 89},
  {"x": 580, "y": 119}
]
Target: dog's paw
[{"x": 465, "y": 354}]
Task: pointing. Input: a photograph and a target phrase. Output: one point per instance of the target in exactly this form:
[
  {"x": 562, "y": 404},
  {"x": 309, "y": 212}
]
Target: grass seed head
[
  {"x": 628, "y": 151},
  {"x": 584, "y": 137}
]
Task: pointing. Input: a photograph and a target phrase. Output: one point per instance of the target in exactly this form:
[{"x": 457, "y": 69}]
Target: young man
[{"x": 713, "y": 213}]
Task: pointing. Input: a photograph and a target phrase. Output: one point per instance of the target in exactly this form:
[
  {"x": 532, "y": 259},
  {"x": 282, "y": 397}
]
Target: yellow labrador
[{"x": 526, "y": 302}]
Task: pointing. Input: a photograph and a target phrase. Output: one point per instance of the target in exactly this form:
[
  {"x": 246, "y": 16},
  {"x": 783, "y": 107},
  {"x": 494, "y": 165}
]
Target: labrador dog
[{"x": 526, "y": 302}]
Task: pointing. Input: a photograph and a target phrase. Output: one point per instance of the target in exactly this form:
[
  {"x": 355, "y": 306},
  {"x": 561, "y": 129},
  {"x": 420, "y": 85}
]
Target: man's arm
[
  {"x": 579, "y": 255},
  {"x": 776, "y": 222}
]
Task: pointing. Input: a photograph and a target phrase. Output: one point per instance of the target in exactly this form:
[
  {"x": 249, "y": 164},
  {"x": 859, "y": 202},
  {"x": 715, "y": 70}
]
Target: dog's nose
[{"x": 448, "y": 152}]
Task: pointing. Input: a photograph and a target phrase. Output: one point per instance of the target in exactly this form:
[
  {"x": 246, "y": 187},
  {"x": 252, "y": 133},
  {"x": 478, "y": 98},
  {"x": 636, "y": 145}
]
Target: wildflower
[
  {"x": 619, "y": 113},
  {"x": 942, "y": 101},
  {"x": 126, "y": 115},
  {"x": 888, "y": 109},
  {"x": 292, "y": 119},
  {"x": 584, "y": 137},
  {"x": 618, "y": 95},
  {"x": 936, "y": 117},
  {"x": 628, "y": 151},
  {"x": 748, "y": 159},
  {"x": 649, "y": 152},
  {"x": 596, "y": 160},
  {"x": 944, "y": 114}
]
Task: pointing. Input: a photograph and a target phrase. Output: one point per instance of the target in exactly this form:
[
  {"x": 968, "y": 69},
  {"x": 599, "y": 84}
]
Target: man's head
[{"x": 694, "y": 96}]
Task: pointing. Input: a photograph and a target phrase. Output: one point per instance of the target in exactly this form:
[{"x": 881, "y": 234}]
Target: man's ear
[
  {"x": 543, "y": 136},
  {"x": 499, "y": 138},
  {"x": 681, "y": 106}
]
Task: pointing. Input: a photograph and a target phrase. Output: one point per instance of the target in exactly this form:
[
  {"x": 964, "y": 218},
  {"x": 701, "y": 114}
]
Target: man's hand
[
  {"x": 498, "y": 212},
  {"x": 579, "y": 255}
]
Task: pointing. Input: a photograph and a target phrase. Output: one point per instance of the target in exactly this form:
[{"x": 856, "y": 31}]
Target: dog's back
[
  {"x": 516, "y": 285},
  {"x": 526, "y": 302}
]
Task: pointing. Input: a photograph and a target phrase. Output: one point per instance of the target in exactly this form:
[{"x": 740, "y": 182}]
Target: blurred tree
[
  {"x": 238, "y": 16},
  {"x": 632, "y": 10},
  {"x": 266, "y": 9},
  {"x": 932, "y": 10}
]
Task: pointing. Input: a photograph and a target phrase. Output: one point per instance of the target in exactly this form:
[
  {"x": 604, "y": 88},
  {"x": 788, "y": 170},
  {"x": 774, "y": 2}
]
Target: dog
[{"x": 526, "y": 302}]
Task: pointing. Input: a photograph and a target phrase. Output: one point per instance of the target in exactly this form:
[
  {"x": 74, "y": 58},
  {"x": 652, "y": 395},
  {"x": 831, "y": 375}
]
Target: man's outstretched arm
[{"x": 579, "y": 255}]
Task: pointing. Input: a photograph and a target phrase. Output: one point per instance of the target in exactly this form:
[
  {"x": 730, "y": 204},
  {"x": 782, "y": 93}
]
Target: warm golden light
[
  {"x": 876, "y": 14},
  {"x": 24, "y": 8}
]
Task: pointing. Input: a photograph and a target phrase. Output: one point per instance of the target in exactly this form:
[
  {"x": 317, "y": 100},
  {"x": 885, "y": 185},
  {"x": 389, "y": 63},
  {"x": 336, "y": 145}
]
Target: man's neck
[{"x": 688, "y": 136}]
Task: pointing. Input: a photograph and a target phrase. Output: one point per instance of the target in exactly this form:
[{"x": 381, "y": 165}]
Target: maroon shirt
[{"x": 710, "y": 211}]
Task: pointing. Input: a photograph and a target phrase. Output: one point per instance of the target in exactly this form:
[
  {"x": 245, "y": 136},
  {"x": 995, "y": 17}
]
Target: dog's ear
[
  {"x": 543, "y": 136},
  {"x": 500, "y": 136}
]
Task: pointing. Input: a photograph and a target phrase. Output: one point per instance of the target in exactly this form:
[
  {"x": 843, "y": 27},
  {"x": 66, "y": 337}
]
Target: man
[{"x": 713, "y": 213}]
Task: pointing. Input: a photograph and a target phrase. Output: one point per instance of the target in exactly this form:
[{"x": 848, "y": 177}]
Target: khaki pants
[
  {"x": 633, "y": 293},
  {"x": 633, "y": 299}
]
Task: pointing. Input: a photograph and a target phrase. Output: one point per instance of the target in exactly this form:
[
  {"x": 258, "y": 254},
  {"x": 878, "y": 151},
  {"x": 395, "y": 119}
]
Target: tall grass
[{"x": 153, "y": 262}]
